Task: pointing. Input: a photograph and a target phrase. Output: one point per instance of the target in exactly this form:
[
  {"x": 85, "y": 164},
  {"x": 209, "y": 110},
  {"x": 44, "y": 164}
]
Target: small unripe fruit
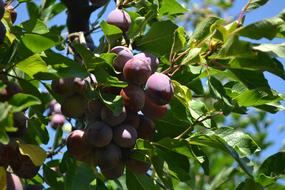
[
  {"x": 146, "y": 128},
  {"x": 154, "y": 111},
  {"x": 136, "y": 71},
  {"x": 13, "y": 182},
  {"x": 133, "y": 97},
  {"x": 120, "y": 19},
  {"x": 77, "y": 145},
  {"x": 57, "y": 120},
  {"x": 150, "y": 59},
  {"x": 74, "y": 106},
  {"x": 125, "y": 136},
  {"x": 98, "y": 134},
  {"x": 114, "y": 172},
  {"x": 109, "y": 156},
  {"x": 124, "y": 54},
  {"x": 159, "y": 88},
  {"x": 110, "y": 118}
]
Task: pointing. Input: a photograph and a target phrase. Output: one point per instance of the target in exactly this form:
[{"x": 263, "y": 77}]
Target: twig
[{"x": 242, "y": 12}]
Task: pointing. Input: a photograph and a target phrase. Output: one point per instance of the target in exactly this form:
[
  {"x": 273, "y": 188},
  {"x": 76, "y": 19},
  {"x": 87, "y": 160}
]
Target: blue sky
[{"x": 269, "y": 10}]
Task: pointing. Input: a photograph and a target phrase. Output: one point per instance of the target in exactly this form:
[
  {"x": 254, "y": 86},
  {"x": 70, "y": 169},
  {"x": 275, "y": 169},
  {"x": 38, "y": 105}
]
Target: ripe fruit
[
  {"x": 2, "y": 32},
  {"x": 2, "y": 9},
  {"x": 124, "y": 54},
  {"x": 57, "y": 120},
  {"x": 114, "y": 172},
  {"x": 7, "y": 153},
  {"x": 10, "y": 90},
  {"x": 67, "y": 86},
  {"x": 159, "y": 88},
  {"x": 120, "y": 19},
  {"x": 137, "y": 166},
  {"x": 74, "y": 106},
  {"x": 98, "y": 134},
  {"x": 132, "y": 119},
  {"x": 150, "y": 59},
  {"x": 133, "y": 97},
  {"x": 146, "y": 128},
  {"x": 23, "y": 166},
  {"x": 77, "y": 145},
  {"x": 94, "y": 108},
  {"x": 154, "y": 111},
  {"x": 125, "y": 136},
  {"x": 108, "y": 116},
  {"x": 109, "y": 156},
  {"x": 20, "y": 122},
  {"x": 136, "y": 71},
  {"x": 13, "y": 182}
]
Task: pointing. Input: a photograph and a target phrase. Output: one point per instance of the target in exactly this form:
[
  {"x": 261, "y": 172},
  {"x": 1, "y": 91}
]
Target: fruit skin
[
  {"x": 10, "y": 90},
  {"x": 13, "y": 182},
  {"x": 154, "y": 111},
  {"x": 98, "y": 134},
  {"x": 124, "y": 54},
  {"x": 77, "y": 145},
  {"x": 125, "y": 136},
  {"x": 132, "y": 119},
  {"x": 20, "y": 122},
  {"x": 74, "y": 106},
  {"x": 136, "y": 71},
  {"x": 2, "y": 9},
  {"x": 114, "y": 172},
  {"x": 120, "y": 19},
  {"x": 68, "y": 86},
  {"x": 159, "y": 88},
  {"x": 150, "y": 59},
  {"x": 113, "y": 120},
  {"x": 7, "y": 153},
  {"x": 133, "y": 97},
  {"x": 93, "y": 111},
  {"x": 57, "y": 120},
  {"x": 146, "y": 128},
  {"x": 2, "y": 32},
  {"x": 109, "y": 156}
]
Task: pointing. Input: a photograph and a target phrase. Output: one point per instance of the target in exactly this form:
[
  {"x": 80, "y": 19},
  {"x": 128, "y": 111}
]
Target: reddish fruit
[
  {"x": 114, "y": 172},
  {"x": 154, "y": 111},
  {"x": 136, "y": 71},
  {"x": 109, "y": 156},
  {"x": 150, "y": 59},
  {"x": 13, "y": 182},
  {"x": 77, "y": 145},
  {"x": 110, "y": 118},
  {"x": 132, "y": 119},
  {"x": 98, "y": 134},
  {"x": 57, "y": 120},
  {"x": 68, "y": 86},
  {"x": 133, "y": 97},
  {"x": 124, "y": 54},
  {"x": 146, "y": 128},
  {"x": 94, "y": 108},
  {"x": 10, "y": 90},
  {"x": 120, "y": 19},
  {"x": 125, "y": 136},
  {"x": 159, "y": 88}
]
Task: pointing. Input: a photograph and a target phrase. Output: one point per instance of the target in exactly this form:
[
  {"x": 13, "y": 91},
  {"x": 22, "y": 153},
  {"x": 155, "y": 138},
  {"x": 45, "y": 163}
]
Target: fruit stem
[{"x": 242, "y": 12}]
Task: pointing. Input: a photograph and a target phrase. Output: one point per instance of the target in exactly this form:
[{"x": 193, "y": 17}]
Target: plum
[
  {"x": 68, "y": 86},
  {"x": 120, "y": 19},
  {"x": 57, "y": 120},
  {"x": 110, "y": 118},
  {"x": 109, "y": 156},
  {"x": 74, "y": 106},
  {"x": 150, "y": 59},
  {"x": 2, "y": 32},
  {"x": 7, "y": 153},
  {"x": 94, "y": 108},
  {"x": 114, "y": 172},
  {"x": 98, "y": 134},
  {"x": 77, "y": 145},
  {"x": 124, "y": 54},
  {"x": 133, "y": 97},
  {"x": 10, "y": 90},
  {"x": 159, "y": 88},
  {"x": 154, "y": 111},
  {"x": 146, "y": 128},
  {"x": 132, "y": 119},
  {"x": 2, "y": 9},
  {"x": 136, "y": 71},
  {"x": 125, "y": 136},
  {"x": 13, "y": 182}
]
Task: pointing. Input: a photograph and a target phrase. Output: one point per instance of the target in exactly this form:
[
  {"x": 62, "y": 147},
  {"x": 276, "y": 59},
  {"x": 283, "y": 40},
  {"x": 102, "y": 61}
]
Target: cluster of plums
[
  {"x": 21, "y": 165},
  {"x": 13, "y": 16}
]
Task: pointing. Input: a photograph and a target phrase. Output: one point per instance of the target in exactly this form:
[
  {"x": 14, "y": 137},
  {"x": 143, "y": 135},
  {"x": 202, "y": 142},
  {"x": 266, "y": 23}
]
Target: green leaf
[
  {"x": 256, "y": 4},
  {"x": 223, "y": 176},
  {"x": 268, "y": 28},
  {"x": 36, "y": 153},
  {"x": 198, "y": 109},
  {"x": 204, "y": 29},
  {"x": 35, "y": 26},
  {"x": 192, "y": 56},
  {"x": 276, "y": 50},
  {"x": 159, "y": 38},
  {"x": 139, "y": 182},
  {"x": 179, "y": 39},
  {"x": 111, "y": 32},
  {"x": 22, "y": 101},
  {"x": 37, "y": 132},
  {"x": 32, "y": 65},
  {"x": 249, "y": 184},
  {"x": 273, "y": 166},
  {"x": 171, "y": 7},
  {"x": 113, "y": 102},
  {"x": 38, "y": 43},
  {"x": 218, "y": 91}
]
